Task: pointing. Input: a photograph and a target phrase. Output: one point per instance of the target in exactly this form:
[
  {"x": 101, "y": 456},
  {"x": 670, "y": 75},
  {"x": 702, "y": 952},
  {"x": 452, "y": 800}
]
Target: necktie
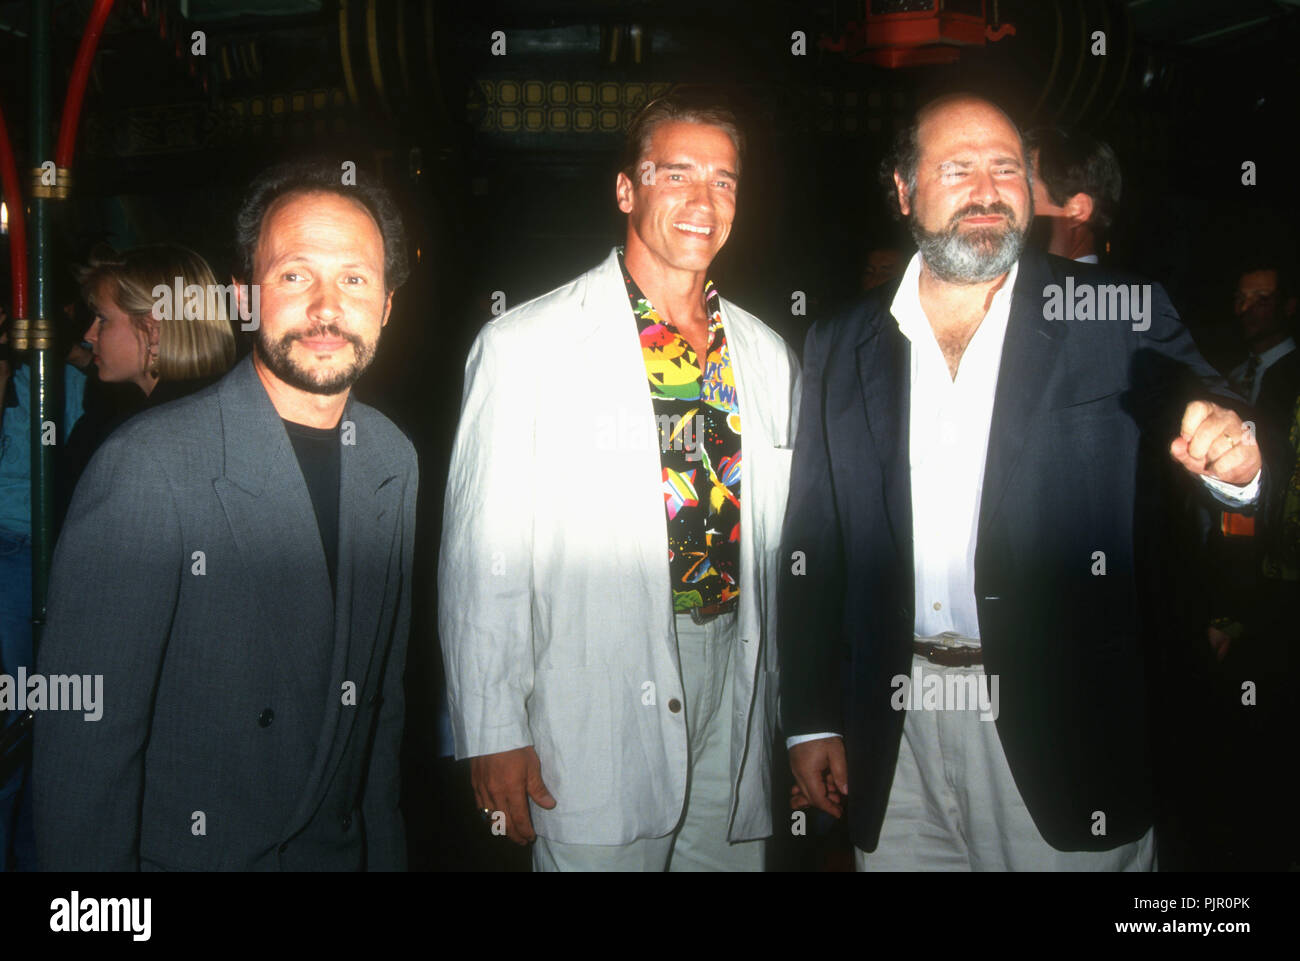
[{"x": 1246, "y": 384}]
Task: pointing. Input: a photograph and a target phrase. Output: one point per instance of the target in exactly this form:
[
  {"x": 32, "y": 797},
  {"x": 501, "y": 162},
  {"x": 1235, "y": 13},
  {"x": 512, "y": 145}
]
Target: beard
[
  {"x": 975, "y": 256},
  {"x": 278, "y": 358}
]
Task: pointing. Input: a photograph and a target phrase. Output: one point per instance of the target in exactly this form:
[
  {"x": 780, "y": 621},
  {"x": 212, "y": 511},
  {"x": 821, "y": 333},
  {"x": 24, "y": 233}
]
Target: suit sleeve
[
  {"x": 112, "y": 594},
  {"x": 810, "y": 589},
  {"x": 485, "y": 560},
  {"x": 1169, "y": 373},
  {"x": 385, "y": 829}
]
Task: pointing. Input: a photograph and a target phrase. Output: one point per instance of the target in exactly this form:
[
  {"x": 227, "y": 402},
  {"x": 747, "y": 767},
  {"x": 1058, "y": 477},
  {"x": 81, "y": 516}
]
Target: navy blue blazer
[{"x": 1083, "y": 416}]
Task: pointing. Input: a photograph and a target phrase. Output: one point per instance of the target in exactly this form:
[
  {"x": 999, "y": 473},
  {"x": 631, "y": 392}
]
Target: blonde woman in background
[
  {"x": 136, "y": 342},
  {"x": 141, "y": 339}
]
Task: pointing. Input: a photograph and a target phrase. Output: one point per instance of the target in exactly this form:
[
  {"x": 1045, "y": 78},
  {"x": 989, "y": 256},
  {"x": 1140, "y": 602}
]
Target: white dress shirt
[{"x": 948, "y": 442}]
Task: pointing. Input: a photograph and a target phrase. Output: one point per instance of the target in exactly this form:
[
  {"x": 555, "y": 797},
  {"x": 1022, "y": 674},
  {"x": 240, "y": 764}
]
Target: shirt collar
[
  {"x": 1088, "y": 259},
  {"x": 641, "y": 305},
  {"x": 906, "y": 306},
  {"x": 1276, "y": 352}
]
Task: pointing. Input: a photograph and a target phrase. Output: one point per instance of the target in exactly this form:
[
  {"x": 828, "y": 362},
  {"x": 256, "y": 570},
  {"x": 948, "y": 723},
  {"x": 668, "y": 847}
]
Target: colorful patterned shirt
[{"x": 698, "y": 419}]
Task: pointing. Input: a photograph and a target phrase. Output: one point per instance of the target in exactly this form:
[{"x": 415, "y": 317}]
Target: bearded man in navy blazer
[{"x": 959, "y": 615}]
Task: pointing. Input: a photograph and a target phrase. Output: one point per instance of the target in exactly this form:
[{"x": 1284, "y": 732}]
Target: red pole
[
  {"x": 17, "y": 220},
  {"x": 77, "y": 85}
]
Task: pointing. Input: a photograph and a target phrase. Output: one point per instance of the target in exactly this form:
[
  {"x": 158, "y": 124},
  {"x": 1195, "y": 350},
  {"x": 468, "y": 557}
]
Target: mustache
[
  {"x": 998, "y": 209},
  {"x": 322, "y": 330}
]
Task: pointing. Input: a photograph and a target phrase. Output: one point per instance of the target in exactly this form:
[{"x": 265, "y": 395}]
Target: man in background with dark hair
[
  {"x": 234, "y": 582},
  {"x": 1265, "y": 306},
  {"x": 1269, "y": 379},
  {"x": 1077, "y": 183},
  {"x": 1253, "y": 602},
  {"x": 605, "y": 584},
  {"x": 1253, "y": 594},
  {"x": 881, "y": 265}
]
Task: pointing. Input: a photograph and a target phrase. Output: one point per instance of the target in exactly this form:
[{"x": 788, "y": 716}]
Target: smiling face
[
  {"x": 682, "y": 219},
  {"x": 972, "y": 205},
  {"x": 320, "y": 264}
]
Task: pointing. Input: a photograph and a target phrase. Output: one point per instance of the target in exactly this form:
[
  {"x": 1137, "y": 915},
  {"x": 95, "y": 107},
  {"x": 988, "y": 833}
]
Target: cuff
[
  {"x": 800, "y": 738},
  {"x": 1234, "y": 495}
]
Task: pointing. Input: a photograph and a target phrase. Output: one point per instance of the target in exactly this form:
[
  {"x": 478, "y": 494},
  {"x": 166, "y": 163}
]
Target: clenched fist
[{"x": 1214, "y": 442}]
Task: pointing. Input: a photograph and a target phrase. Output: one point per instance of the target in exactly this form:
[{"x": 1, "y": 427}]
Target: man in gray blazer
[{"x": 237, "y": 567}]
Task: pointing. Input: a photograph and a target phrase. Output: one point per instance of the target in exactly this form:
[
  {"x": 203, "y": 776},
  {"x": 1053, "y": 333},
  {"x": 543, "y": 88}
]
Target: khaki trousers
[{"x": 954, "y": 805}]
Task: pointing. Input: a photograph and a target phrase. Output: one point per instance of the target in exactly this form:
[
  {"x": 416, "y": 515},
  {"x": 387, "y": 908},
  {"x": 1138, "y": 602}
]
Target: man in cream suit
[{"x": 608, "y": 564}]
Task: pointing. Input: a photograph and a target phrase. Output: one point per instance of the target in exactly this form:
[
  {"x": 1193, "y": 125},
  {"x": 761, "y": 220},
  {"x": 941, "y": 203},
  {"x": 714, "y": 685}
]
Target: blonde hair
[{"x": 187, "y": 348}]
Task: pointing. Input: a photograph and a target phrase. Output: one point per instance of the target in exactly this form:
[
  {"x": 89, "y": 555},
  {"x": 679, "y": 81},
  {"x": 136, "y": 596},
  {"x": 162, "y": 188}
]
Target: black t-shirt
[{"x": 318, "y": 458}]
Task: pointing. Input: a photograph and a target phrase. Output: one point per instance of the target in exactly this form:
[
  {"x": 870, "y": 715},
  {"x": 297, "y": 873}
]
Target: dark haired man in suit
[
  {"x": 1076, "y": 183},
  {"x": 236, "y": 566}
]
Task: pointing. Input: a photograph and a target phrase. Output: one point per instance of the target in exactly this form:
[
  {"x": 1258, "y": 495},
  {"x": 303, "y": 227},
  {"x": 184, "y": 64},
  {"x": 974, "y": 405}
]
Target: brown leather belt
[
  {"x": 947, "y": 655},
  {"x": 702, "y": 615}
]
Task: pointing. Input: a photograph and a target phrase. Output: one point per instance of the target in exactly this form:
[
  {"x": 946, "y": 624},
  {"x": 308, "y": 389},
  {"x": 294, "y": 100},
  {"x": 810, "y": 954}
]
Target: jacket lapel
[
  {"x": 743, "y": 351},
  {"x": 270, "y": 514},
  {"x": 369, "y": 503},
  {"x": 883, "y": 377},
  {"x": 1030, "y": 350},
  {"x": 758, "y": 432},
  {"x": 606, "y": 329}
]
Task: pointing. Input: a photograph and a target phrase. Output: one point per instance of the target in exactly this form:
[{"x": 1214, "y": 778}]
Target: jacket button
[
  {"x": 284, "y": 847},
  {"x": 266, "y": 717},
  {"x": 346, "y": 821},
  {"x": 674, "y": 705}
]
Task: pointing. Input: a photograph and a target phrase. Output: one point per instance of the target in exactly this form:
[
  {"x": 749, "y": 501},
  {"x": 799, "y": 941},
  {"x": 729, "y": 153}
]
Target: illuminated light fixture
[{"x": 913, "y": 33}]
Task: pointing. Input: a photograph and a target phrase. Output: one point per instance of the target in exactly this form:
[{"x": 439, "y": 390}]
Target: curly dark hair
[{"x": 316, "y": 176}]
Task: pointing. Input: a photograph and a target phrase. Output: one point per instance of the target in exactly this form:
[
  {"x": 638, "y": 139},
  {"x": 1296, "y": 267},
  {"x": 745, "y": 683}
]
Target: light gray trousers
[{"x": 699, "y": 842}]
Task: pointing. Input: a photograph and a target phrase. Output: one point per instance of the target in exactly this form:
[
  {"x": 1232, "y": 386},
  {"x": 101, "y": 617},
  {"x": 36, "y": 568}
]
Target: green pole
[{"x": 41, "y": 358}]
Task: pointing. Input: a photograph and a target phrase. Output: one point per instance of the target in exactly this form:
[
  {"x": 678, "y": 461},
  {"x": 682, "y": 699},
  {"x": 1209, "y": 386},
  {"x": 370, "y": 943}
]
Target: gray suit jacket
[{"x": 250, "y": 722}]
